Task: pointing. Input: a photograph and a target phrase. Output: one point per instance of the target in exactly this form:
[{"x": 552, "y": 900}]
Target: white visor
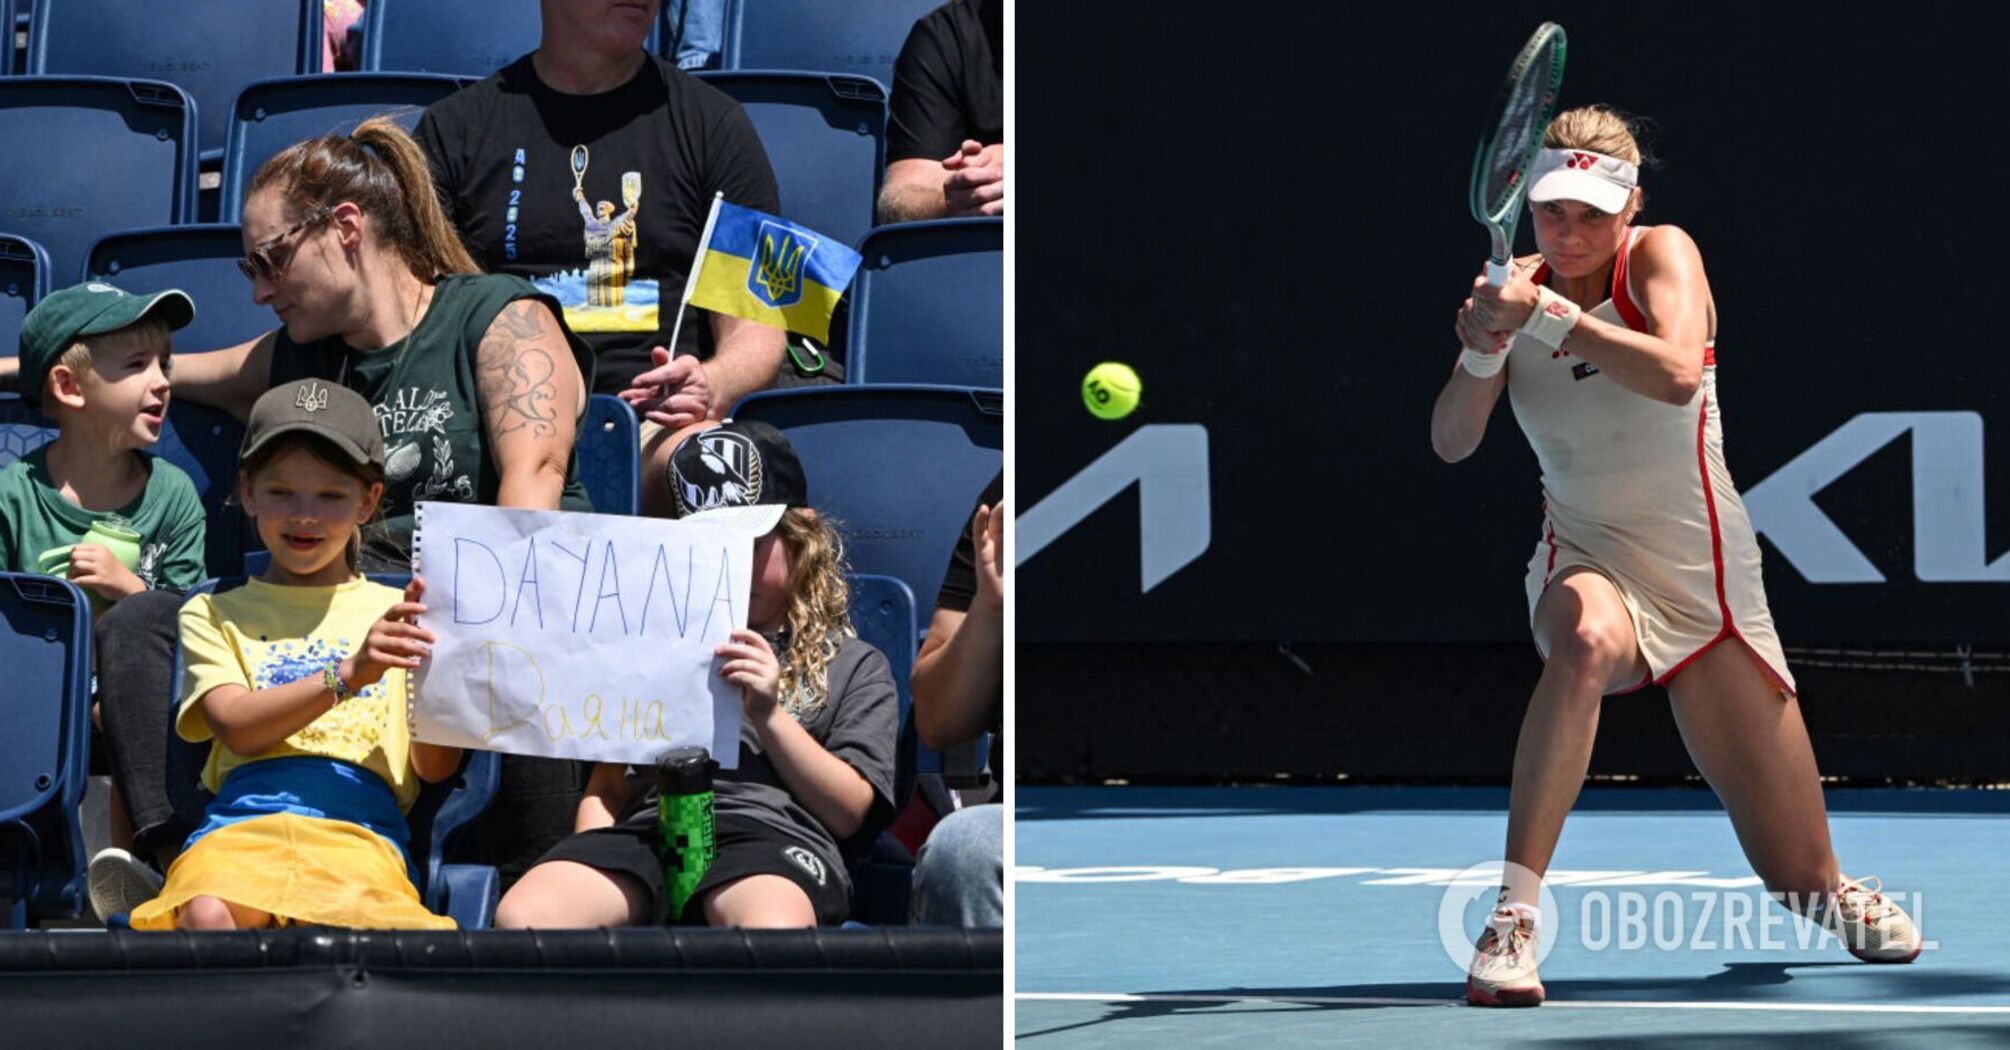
[
  {"x": 1605, "y": 183},
  {"x": 758, "y": 519}
]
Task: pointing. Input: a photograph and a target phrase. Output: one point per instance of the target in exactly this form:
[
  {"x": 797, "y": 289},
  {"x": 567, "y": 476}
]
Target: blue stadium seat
[
  {"x": 896, "y": 466},
  {"x": 825, "y": 135},
  {"x": 610, "y": 456},
  {"x": 882, "y": 612},
  {"x": 106, "y": 155},
  {"x": 820, "y": 35},
  {"x": 271, "y": 115},
  {"x": 198, "y": 259},
  {"x": 7, "y": 51},
  {"x": 210, "y": 48},
  {"x": 928, "y": 305},
  {"x": 442, "y": 819},
  {"x": 202, "y": 441},
  {"x": 463, "y": 37},
  {"x": 45, "y": 645},
  {"x": 24, "y": 280}
]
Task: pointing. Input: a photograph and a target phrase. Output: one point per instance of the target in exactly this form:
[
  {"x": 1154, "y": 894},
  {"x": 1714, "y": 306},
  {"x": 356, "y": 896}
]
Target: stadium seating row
[
  {"x": 212, "y": 48},
  {"x": 926, "y": 306}
]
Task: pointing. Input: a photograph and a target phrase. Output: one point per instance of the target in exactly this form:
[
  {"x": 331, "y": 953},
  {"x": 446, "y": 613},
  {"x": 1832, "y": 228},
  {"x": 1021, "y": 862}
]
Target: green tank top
[{"x": 423, "y": 391}]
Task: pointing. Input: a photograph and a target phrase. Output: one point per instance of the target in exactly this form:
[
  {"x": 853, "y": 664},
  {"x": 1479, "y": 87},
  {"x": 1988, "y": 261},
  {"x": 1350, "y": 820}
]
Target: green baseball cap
[{"x": 91, "y": 308}]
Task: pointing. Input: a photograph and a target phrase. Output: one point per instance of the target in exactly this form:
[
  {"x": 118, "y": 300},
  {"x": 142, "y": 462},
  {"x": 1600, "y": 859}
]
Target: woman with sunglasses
[{"x": 476, "y": 382}]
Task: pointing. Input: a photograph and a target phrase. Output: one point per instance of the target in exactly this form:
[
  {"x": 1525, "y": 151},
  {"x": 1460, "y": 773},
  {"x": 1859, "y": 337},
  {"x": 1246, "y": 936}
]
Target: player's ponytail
[{"x": 381, "y": 170}]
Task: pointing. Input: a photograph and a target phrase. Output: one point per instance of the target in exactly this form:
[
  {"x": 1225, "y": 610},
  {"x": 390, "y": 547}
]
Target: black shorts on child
[{"x": 746, "y": 847}]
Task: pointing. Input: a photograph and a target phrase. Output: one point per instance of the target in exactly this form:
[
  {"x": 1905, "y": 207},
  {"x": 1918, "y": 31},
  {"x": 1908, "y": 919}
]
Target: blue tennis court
[{"x": 1311, "y": 915}]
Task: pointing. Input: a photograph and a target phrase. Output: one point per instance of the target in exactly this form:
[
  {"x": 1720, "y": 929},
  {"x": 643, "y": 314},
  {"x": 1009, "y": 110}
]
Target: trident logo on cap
[{"x": 312, "y": 397}]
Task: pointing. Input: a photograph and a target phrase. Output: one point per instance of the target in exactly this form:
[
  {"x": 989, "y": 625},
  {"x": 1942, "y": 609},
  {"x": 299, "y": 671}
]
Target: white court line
[{"x": 1580, "y": 1004}]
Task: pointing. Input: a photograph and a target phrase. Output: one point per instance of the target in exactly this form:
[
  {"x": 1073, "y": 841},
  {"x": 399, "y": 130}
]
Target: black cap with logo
[{"x": 743, "y": 472}]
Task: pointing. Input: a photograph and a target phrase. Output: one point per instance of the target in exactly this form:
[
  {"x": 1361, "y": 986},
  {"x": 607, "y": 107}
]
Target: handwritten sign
[{"x": 578, "y": 635}]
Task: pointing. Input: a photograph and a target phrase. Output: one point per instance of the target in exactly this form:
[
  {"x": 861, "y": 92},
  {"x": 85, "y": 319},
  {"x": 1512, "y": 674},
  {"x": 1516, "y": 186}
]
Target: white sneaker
[
  {"x": 1503, "y": 970},
  {"x": 1872, "y": 928},
  {"x": 120, "y": 882}
]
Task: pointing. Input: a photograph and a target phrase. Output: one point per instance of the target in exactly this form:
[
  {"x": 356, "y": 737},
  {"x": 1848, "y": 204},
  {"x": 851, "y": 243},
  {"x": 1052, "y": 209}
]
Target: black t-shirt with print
[
  {"x": 504, "y": 155},
  {"x": 949, "y": 82}
]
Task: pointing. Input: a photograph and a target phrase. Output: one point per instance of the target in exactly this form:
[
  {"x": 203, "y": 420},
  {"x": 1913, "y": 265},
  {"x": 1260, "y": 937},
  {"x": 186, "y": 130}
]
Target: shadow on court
[
  {"x": 1164, "y": 803},
  {"x": 1928, "y": 1034},
  {"x": 1736, "y": 982}
]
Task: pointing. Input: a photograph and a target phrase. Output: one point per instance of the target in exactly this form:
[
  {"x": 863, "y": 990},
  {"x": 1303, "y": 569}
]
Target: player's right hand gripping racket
[{"x": 1512, "y": 138}]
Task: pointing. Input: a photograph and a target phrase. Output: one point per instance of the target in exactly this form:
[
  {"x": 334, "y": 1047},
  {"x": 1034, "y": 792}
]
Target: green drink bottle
[{"x": 687, "y": 841}]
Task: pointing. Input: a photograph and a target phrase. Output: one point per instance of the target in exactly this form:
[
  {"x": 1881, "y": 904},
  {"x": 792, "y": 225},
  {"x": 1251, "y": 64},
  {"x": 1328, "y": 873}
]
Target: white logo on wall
[
  {"x": 1949, "y": 538},
  {"x": 1169, "y": 465}
]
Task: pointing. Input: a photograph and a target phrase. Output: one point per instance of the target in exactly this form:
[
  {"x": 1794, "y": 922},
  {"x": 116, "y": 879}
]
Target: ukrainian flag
[{"x": 754, "y": 265}]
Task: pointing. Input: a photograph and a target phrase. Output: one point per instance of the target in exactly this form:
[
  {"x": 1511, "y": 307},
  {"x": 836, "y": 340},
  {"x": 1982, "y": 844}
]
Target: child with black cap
[
  {"x": 820, "y": 716},
  {"x": 299, "y": 678}
]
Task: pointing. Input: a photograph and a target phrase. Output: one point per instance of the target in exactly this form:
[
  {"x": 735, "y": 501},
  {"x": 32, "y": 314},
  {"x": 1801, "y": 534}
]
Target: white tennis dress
[{"x": 1636, "y": 490}]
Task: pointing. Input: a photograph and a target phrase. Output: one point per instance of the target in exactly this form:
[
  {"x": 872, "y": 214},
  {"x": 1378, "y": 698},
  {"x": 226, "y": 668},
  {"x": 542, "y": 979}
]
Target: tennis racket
[{"x": 1511, "y": 139}]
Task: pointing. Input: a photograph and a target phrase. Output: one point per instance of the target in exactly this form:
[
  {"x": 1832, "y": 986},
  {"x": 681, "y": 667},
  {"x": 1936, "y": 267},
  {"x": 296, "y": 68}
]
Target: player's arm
[
  {"x": 230, "y": 379},
  {"x": 531, "y": 392},
  {"x": 1666, "y": 361},
  {"x": 1459, "y": 418}
]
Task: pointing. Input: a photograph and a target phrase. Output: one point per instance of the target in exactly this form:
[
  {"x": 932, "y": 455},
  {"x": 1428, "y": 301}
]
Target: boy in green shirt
[{"x": 95, "y": 360}]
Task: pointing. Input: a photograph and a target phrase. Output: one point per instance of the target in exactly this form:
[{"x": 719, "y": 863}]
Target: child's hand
[
  {"x": 751, "y": 664},
  {"x": 96, "y": 567},
  {"x": 396, "y": 640}
]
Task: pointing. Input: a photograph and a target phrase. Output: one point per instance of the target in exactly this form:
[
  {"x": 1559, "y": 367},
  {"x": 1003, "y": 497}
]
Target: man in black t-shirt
[
  {"x": 959, "y": 694},
  {"x": 945, "y": 146},
  {"x": 588, "y": 167}
]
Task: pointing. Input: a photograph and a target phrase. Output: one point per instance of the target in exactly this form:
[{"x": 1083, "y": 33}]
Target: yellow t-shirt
[{"x": 263, "y": 634}]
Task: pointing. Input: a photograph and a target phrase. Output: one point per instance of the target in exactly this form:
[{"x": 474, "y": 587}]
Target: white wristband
[
  {"x": 1552, "y": 319},
  {"x": 1483, "y": 365}
]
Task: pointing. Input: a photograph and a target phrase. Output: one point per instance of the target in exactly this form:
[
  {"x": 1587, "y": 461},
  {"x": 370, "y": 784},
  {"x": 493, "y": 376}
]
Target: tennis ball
[{"x": 1110, "y": 390}]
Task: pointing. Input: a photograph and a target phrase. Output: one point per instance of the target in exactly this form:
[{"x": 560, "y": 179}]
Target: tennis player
[{"x": 1647, "y": 569}]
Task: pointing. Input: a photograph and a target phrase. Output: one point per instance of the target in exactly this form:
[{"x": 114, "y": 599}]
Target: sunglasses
[{"x": 260, "y": 264}]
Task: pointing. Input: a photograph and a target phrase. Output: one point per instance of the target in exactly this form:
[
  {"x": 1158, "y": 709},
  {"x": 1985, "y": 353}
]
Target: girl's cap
[
  {"x": 335, "y": 414},
  {"x": 742, "y": 473}
]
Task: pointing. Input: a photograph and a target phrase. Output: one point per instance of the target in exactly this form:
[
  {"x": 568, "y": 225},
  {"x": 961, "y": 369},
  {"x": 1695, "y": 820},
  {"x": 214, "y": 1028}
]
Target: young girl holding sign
[
  {"x": 312, "y": 766},
  {"x": 816, "y": 743}
]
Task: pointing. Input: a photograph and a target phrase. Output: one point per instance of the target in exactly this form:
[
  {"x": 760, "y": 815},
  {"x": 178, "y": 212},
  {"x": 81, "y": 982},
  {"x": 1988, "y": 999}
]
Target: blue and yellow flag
[{"x": 766, "y": 269}]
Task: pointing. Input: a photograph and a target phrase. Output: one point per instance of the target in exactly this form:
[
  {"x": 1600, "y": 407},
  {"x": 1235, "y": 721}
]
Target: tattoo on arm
[{"x": 517, "y": 372}]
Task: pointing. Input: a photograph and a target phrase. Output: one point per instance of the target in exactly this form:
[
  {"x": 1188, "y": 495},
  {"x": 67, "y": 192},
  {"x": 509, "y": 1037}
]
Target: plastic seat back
[
  {"x": 825, "y": 136},
  {"x": 610, "y": 456},
  {"x": 270, "y": 115},
  {"x": 198, "y": 259},
  {"x": 45, "y": 645},
  {"x": 894, "y": 465},
  {"x": 928, "y": 305},
  {"x": 819, "y": 35},
  {"x": 106, "y": 155},
  {"x": 210, "y": 48},
  {"x": 24, "y": 280}
]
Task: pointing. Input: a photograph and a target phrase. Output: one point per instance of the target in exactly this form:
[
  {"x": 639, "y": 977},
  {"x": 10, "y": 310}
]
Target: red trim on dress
[
  {"x": 1730, "y": 627},
  {"x": 1622, "y": 297}
]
